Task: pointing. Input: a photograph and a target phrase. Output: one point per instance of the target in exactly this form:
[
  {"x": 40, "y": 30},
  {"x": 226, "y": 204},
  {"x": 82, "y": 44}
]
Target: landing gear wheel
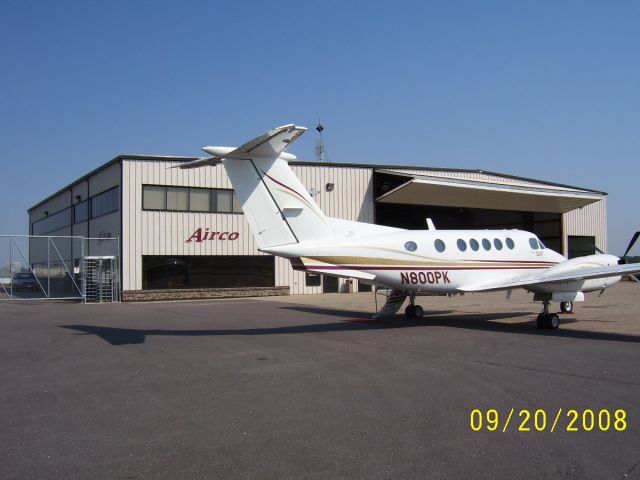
[
  {"x": 549, "y": 321},
  {"x": 566, "y": 307},
  {"x": 414, "y": 311}
]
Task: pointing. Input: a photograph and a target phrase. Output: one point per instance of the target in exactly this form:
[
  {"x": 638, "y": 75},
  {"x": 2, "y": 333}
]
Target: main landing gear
[
  {"x": 548, "y": 320},
  {"x": 413, "y": 310}
]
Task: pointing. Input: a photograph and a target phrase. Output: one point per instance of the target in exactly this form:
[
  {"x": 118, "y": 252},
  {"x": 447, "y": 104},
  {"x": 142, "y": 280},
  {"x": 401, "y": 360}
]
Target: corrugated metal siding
[
  {"x": 165, "y": 233},
  {"x": 588, "y": 221}
]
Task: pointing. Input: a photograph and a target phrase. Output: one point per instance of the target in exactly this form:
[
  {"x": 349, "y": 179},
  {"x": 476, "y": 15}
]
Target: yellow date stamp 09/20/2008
[{"x": 539, "y": 420}]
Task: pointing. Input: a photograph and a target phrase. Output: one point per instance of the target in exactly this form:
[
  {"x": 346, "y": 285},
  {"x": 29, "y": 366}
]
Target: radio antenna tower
[{"x": 321, "y": 153}]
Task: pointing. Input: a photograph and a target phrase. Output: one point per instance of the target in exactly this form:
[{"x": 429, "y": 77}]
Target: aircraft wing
[
  {"x": 270, "y": 144},
  {"x": 546, "y": 278}
]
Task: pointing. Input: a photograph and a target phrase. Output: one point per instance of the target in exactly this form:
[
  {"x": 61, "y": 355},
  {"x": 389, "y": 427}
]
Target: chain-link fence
[{"x": 58, "y": 267}]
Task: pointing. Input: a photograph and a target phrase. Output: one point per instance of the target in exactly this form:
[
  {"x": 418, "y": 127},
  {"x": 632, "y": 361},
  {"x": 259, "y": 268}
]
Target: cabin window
[
  {"x": 462, "y": 245},
  {"x": 486, "y": 244},
  {"x": 473, "y": 243},
  {"x": 440, "y": 246},
  {"x": 534, "y": 243},
  {"x": 510, "y": 243},
  {"x": 411, "y": 246},
  {"x": 497, "y": 243}
]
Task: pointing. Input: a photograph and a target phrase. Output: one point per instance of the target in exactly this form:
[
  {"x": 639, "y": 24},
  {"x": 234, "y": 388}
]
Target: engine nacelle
[{"x": 577, "y": 264}]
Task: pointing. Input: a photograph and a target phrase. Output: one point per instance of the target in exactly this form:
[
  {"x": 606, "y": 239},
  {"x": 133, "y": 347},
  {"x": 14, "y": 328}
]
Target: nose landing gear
[{"x": 413, "y": 310}]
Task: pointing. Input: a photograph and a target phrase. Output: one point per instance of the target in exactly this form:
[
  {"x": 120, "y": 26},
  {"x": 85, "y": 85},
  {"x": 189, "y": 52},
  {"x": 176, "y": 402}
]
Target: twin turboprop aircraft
[{"x": 287, "y": 222}]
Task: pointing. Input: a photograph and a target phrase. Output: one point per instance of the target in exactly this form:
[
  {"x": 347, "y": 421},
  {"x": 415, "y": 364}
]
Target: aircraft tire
[
  {"x": 418, "y": 311},
  {"x": 553, "y": 321},
  {"x": 540, "y": 321},
  {"x": 409, "y": 311},
  {"x": 566, "y": 307}
]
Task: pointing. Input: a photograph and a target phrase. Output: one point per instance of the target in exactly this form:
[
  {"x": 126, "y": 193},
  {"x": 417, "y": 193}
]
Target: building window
[
  {"x": 53, "y": 222},
  {"x": 223, "y": 200},
  {"x": 207, "y": 271},
  {"x": 177, "y": 198},
  {"x": 154, "y": 198},
  {"x": 81, "y": 212},
  {"x": 581, "y": 246},
  {"x": 189, "y": 199},
  {"x": 312, "y": 279},
  {"x": 199, "y": 200},
  {"x": 104, "y": 203}
]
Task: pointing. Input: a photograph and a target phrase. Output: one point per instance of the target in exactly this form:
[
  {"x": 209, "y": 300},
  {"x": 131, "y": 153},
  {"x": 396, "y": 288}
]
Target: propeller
[{"x": 633, "y": 241}]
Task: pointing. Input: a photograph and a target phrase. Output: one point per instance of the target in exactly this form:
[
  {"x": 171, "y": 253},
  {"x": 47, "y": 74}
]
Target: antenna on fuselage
[{"x": 430, "y": 225}]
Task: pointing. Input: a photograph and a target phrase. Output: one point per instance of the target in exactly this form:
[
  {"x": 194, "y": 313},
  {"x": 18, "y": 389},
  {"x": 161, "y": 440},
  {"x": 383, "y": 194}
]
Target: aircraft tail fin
[{"x": 277, "y": 206}]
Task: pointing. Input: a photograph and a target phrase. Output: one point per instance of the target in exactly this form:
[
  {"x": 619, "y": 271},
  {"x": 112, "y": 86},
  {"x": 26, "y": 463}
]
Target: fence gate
[
  {"x": 101, "y": 279},
  {"x": 36, "y": 267}
]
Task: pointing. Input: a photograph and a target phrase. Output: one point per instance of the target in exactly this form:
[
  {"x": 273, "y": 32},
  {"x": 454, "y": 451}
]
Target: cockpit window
[
  {"x": 411, "y": 246},
  {"x": 534, "y": 243},
  {"x": 541, "y": 244}
]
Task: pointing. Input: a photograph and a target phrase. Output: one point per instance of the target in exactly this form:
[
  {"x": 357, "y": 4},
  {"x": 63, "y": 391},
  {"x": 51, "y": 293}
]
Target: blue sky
[{"x": 547, "y": 90}]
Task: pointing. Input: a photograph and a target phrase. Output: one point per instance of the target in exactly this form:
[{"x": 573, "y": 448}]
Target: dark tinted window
[
  {"x": 473, "y": 243},
  {"x": 510, "y": 243},
  {"x": 497, "y": 243},
  {"x": 211, "y": 271},
  {"x": 312, "y": 279},
  {"x": 462, "y": 245},
  {"x": 53, "y": 222},
  {"x": 486, "y": 244},
  {"x": 81, "y": 212},
  {"x": 439, "y": 244},
  {"x": 105, "y": 202},
  {"x": 534, "y": 243}
]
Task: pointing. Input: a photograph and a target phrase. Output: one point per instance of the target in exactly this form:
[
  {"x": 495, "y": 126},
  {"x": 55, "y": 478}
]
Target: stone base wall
[{"x": 198, "y": 293}]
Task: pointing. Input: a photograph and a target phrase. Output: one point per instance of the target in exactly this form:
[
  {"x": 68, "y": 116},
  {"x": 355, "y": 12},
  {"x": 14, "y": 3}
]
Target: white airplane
[{"x": 286, "y": 222}]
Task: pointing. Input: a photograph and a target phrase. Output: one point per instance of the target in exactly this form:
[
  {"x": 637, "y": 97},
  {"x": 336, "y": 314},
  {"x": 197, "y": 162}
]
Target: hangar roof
[{"x": 378, "y": 168}]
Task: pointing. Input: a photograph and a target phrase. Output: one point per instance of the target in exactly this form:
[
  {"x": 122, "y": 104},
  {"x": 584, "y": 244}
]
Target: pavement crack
[{"x": 630, "y": 471}]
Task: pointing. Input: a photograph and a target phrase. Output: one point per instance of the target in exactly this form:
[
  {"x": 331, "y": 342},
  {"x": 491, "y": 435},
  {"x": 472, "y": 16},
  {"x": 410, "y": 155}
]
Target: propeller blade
[{"x": 631, "y": 244}]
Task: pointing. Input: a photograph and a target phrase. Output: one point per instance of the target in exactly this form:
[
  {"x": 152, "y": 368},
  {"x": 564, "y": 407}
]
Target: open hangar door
[{"x": 407, "y": 200}]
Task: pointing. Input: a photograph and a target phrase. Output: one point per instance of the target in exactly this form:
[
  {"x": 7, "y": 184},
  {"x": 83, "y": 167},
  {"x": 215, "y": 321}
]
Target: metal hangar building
[{"x": 182, "y": 233}]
